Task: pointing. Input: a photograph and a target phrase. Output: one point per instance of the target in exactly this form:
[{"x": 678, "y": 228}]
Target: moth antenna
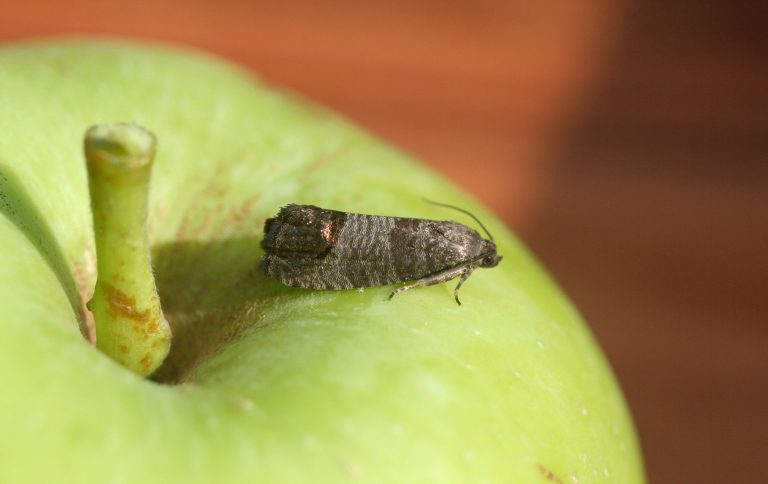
[{"x": 467, "y": 212}]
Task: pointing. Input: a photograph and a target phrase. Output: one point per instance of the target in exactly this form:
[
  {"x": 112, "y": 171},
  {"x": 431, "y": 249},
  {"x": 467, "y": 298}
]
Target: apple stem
[{"x": 130, "y": 327}]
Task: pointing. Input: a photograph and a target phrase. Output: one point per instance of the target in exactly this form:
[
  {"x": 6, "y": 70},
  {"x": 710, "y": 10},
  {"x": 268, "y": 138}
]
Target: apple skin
[{"x": 275, "y": 384}]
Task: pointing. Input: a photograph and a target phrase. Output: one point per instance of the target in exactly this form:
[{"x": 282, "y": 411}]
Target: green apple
[{"x": 266, "y": 383}]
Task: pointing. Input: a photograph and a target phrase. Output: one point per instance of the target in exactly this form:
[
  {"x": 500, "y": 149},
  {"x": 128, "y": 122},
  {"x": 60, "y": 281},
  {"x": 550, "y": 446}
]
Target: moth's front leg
[
  {"x": 464, "y": 271},
  {"x": 464, "y": 277}
]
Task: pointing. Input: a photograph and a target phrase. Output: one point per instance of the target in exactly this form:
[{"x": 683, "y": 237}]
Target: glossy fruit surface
[{"x": 273, "y": 384}]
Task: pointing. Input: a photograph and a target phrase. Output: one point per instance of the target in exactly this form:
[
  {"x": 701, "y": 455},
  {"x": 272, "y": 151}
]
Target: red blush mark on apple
[
  {"x": 242, "y": 213},
  {"x": 318, "y": 163},
  {"x": 549, "y": 475}
]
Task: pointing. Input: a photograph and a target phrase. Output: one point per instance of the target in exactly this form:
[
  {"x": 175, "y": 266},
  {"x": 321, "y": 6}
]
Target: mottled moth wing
[{"x": 310, "y": 247}]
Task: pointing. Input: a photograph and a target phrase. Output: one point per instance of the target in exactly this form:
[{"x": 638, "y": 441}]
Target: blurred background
[{"x": 625, "y": 141}]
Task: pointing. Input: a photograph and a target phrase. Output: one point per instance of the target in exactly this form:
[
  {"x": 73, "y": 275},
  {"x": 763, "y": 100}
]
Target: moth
[{"x": 311, "y": 247}]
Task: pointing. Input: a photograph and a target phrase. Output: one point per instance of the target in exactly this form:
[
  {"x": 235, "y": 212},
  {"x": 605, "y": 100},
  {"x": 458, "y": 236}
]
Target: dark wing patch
[{"x": 304, "y": 229}]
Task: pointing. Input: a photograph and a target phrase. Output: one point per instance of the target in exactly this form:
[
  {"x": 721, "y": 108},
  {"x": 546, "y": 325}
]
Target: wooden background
[{"x": 626, "y": 142}]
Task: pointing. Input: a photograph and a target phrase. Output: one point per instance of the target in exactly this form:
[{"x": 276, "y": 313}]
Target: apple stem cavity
[{"x": 130, "y": 326}]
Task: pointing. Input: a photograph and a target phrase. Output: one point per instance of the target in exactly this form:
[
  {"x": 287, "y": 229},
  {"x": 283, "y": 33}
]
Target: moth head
[{"x": 490, "y": 258}]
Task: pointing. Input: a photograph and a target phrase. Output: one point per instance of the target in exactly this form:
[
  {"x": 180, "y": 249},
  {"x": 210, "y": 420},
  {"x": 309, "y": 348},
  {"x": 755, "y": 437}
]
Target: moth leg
[
  {"x": 436, "y": 278},
  {"x": 464, "y": 277}
]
